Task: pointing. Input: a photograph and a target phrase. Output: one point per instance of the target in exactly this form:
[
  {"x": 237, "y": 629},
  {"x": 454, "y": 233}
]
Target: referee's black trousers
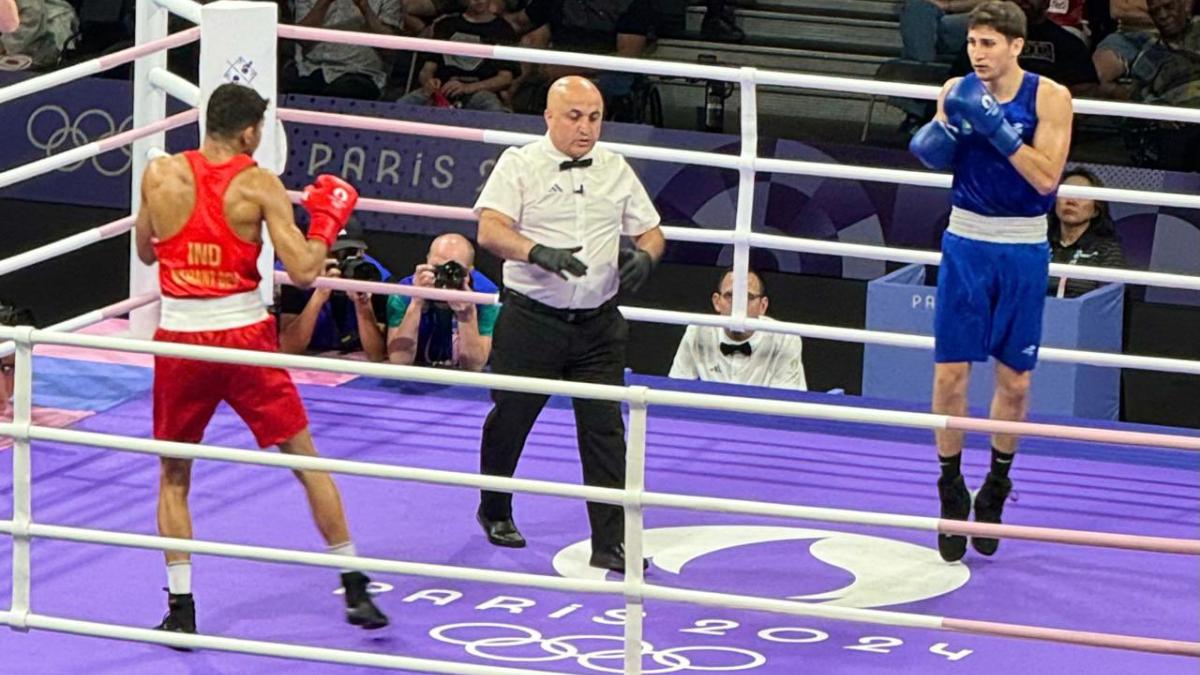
[{"x": 537, "y": 341}]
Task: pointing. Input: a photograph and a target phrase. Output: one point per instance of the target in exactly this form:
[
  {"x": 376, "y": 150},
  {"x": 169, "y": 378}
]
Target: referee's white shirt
[
  {"x": 589, "y": 207},
  {"x": 775, "y": 359}
]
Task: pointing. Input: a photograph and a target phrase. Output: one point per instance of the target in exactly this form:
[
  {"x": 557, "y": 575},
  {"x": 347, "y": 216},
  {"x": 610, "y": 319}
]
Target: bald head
[
  {"x": 574, "y": 113},
  {"x": 452, "y": 247}
]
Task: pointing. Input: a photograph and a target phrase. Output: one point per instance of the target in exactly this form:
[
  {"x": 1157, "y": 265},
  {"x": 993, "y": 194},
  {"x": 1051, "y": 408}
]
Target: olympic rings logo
[
  {"x": 90, "y": 126},
  {"x": 672, "y": 660}
]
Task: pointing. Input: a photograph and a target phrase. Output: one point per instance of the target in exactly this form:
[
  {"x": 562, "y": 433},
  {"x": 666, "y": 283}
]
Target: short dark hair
[
  {"x": 232, "y": 108},
  {"x": 12, "y": 315},
  {"x": 762, "y": 284},
  {"x": 1002, "y": 16}
]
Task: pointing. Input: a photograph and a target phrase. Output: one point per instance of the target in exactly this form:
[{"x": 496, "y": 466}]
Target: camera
[
  {"x": 355, "y": 266},
  {"x": 450, "y": 274}
]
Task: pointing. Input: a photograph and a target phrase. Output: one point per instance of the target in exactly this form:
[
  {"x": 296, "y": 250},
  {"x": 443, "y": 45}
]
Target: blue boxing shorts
[{"x": 990, "y": 298}]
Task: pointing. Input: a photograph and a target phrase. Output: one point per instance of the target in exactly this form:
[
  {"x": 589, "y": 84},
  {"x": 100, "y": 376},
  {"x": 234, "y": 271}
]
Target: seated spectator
[
  {"x": 10, "y": 17},
  {"x": 319, "y": 319},
  {"x": 1167, "y": 70},
  {"x": 719, "y": 23},
  {"x": 755, "y": 358},
  {"x": 43, "y": 31},
  {"x": 1116, "y": 52},
  {"x": 421, "y": 14},
  {"x": 467, "y": 81},
  {"x": 340, "y": 70},
  {"x": 10, "y": 315},
  {"x": 1081, "y": 233},
  {"x": 617, "y": 27},
  {"x": 1050, "y": 50},
  {"x": 454, "y": 334},
  {"x": 934, "y": 30},
  {"x": 1071, "y": 15}
]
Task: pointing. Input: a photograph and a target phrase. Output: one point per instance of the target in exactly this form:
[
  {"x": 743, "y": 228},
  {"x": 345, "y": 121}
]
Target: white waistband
[
  {"x": 191, "y": 315},
  {"x": 997, "y": 229}
]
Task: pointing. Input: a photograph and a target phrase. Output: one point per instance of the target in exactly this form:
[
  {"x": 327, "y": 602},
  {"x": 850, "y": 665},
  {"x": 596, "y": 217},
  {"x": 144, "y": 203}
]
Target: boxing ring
[{"x": 718, "y": 476}]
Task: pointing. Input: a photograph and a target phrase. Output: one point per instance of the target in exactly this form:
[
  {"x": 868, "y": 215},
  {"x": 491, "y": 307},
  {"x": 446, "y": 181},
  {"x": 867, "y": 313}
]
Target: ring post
[
  {"x": 149, "y": 106},
  {"x": 237, "y": 44}
]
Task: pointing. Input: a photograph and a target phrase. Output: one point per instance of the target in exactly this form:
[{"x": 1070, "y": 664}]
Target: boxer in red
[{"x": 200, "y": 219}]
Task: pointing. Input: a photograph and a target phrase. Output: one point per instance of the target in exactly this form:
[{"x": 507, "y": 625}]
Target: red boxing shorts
[{"x": 186, "y": 392}]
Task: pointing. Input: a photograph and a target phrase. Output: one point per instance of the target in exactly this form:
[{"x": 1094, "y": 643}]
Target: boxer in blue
[{"x": 1005, "y": 134}]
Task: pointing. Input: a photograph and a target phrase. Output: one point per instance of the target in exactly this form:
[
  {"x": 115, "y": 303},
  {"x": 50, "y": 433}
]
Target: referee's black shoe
[
  {"x": 500, "y": 532},
  {"x": 956, "y": 505},
  {"x": 180, "y": 617},
  {"x": 360, "y": 609},
  {"x": 612, "y": 558},
  {"x": 989, "y": 504}
]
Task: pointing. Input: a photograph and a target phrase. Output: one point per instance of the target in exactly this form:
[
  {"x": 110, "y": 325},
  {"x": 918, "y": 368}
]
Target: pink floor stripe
[
  {"x": 1074, "y": 433},
  {"x": 46, "y": 417},
  {"x": 1079, "y": 637},
  {"x": 1082, "y": 538}
]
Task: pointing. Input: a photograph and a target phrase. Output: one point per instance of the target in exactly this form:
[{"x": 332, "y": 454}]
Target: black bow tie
[
  {"x": 575, "y": 164},
  {"x": 729, "y": 350}
]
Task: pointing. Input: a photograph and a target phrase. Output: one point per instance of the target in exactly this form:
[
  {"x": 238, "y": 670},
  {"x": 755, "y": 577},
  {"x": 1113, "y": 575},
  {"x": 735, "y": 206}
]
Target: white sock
[
  {"x": 179, "y": 578},
  {"x": 344, "y": 549}
]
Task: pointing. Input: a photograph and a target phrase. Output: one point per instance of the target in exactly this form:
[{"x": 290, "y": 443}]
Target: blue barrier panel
[{"x": 901, "y": 302}]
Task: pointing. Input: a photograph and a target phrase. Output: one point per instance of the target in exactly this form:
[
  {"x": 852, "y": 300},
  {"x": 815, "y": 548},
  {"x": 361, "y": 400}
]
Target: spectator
[
  {"x": 320, "y": 320},
  {"x": 755, "y": 358},
  {"x": 44, "y": 29},
  {"x": 1116, "y": 52},
  {"x": 467, "y": 81},
  {"x": 420, "y": 14},
  {"x": 719, "y": 23},
  {"x": 1050, "y": 50},
  {"x": 934, "y": 30},
  {"x": 1070, "y": 14},
  {"x": 10, "y": 316},
  {"x": 455, "y": 334},
  {"x": 339, "y": 70},
  {"x": 1167, "y": 70},
  {"x": 10, "y": 16},
  {"x": 617, "y": 27},
  {"x": 1081, "y": 232}
]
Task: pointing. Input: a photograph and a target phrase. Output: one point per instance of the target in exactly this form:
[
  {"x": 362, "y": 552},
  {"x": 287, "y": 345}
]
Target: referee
[{"x": 555, "y": 211}]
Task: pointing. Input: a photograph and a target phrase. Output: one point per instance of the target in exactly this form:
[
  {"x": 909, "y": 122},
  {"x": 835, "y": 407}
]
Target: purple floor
[{"x": 1030, "y": 583}]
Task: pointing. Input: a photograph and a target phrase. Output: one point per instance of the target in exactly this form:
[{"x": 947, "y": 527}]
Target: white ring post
[
  {"x": 237, "y": 44},
  {"x": 22, "y": 476},
  {"x": 149, "y": 106},
  {"x": 635, "y": 485},
  {"x": 744, "y": 224}
]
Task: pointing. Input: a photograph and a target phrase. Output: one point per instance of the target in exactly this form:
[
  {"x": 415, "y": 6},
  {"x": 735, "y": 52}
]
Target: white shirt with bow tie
[
  {"x": 589, "y": 207},
  {"x": 775, "y": 359}
]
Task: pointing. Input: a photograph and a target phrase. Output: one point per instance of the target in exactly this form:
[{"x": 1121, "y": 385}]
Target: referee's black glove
[
  {"x": 557, "y": 260},
  {"x": 635, "y": 269}
]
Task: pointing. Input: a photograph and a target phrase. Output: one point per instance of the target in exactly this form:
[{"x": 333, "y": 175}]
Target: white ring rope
[{"x": 22, "y": 529}]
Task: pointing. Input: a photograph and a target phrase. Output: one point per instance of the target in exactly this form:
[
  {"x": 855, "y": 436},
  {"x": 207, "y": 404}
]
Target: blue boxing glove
[
  {"x": 971, "y": 107},
  {"x": 935, "y": 144}
]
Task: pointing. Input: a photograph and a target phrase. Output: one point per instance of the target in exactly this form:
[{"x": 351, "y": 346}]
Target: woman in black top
[{"x": 1082, "y": 233}]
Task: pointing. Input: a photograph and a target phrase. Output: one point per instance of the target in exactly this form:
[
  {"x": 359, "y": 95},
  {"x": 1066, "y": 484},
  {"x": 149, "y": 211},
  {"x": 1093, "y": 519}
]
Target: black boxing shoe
[
  {"x": 989, "y": 504},
  {"x": 500, "y": 532},
  {"x": 956, "y": 505},
  {"x": 360, "y": 609},
  {"x": 612, "y": 558},
  {"x": 180, "y": 617}
]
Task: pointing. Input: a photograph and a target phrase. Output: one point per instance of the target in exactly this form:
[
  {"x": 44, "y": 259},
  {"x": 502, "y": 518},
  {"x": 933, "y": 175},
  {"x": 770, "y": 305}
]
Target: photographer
[
  {"x": 454, "y": 334},
  {"x": 320, "y": 319}
]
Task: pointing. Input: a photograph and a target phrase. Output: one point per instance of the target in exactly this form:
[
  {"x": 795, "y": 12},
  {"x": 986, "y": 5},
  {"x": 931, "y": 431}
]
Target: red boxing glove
[{"x": 329, "y": 202}]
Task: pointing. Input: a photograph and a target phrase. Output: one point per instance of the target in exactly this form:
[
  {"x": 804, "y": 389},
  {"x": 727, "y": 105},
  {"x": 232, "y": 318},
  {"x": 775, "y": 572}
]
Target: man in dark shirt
[
  {"x": 616, "y": 27},
  {"x": 1050, "y": 50},
  {"x": 467, "y": 81}
]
